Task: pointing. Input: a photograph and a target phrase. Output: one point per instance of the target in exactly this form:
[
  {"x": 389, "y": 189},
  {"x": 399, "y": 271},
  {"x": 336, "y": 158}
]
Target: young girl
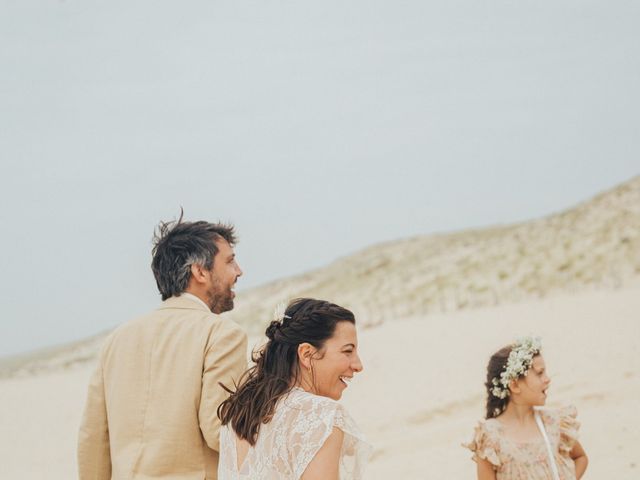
[{"x": 519, "y": 440}]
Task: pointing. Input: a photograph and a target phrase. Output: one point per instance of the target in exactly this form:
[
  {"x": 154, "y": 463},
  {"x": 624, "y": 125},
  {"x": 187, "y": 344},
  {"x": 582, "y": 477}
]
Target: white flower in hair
[
  {"x": 278, "y": 312},
  {"x": 518, "y": 364}
]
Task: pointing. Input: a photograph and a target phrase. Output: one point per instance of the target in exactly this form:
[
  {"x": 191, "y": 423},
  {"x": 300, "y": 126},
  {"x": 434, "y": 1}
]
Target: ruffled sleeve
[
  {"x": 318, "y": 416},
  {"x": 568, "y": 428},
  {"x": 484, "y": 446}
]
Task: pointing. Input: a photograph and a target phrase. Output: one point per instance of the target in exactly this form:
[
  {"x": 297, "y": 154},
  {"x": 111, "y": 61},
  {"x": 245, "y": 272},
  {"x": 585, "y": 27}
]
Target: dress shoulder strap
[{"x": 552, "y": 460}]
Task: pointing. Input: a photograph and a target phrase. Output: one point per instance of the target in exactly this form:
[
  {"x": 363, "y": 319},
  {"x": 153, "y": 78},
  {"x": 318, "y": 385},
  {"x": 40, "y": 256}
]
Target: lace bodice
[{"x": 301, "y": 424}]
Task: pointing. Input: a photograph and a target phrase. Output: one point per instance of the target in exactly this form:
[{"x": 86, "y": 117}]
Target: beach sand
[{"x": 421, "y": 392}]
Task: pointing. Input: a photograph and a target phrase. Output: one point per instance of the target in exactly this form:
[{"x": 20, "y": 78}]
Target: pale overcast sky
[{"x": 318, "y": 128}]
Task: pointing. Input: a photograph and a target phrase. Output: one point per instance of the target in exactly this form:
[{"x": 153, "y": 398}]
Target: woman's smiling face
[{"x": 337, "y": 362}]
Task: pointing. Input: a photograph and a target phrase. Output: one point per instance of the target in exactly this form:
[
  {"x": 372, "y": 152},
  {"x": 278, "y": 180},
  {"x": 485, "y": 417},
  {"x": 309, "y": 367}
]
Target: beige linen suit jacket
[{"x": 151, "y": 406}]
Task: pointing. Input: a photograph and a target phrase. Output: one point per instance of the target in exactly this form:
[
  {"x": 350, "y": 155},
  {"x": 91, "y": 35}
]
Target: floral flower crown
[{"x": 518, "y": 364}]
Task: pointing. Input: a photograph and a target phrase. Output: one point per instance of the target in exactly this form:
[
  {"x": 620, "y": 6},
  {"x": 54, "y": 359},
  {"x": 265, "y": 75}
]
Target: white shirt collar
[{"x": 197, "y": 299}]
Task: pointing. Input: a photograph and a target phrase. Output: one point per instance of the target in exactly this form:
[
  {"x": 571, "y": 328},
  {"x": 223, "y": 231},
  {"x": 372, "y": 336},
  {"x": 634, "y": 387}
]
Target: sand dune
[{"x": 593, "y": 246}]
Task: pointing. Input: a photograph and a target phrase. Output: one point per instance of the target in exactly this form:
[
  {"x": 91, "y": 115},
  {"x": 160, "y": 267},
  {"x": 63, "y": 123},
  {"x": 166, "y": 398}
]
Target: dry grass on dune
[{"x": 592, "y": 246}]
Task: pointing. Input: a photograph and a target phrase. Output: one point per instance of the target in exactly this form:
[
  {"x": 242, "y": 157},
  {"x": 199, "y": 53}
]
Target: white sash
[{"x": 552, "y": 461}]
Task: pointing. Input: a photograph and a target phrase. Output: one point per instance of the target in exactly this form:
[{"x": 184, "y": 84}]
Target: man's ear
[
  {"x": 198, "y": 273},
  {"x": 305, "y": 354}
]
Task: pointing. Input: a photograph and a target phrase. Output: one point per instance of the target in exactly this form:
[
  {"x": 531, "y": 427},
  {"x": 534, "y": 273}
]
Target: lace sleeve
[
  {"x": 484, "y": 446},
  {"x": 311, "y": 427}
]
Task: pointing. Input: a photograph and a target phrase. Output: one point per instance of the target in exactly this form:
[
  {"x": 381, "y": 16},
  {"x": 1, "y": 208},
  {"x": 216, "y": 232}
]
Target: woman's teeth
[{"x": 346, "y": 380}]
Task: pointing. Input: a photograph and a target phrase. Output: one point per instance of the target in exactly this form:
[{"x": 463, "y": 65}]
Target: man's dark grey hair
[{"x": 177, "y": 245}]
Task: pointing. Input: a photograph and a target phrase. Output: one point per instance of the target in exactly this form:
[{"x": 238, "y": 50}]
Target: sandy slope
[{"x": 421, "y": 392}]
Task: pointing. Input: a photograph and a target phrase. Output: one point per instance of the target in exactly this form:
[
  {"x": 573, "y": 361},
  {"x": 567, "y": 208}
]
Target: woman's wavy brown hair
[{"x": 276, "y": 370}]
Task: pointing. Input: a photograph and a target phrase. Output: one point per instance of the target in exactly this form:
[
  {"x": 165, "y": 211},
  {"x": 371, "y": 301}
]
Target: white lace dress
[{"x": 301, "y": 424}]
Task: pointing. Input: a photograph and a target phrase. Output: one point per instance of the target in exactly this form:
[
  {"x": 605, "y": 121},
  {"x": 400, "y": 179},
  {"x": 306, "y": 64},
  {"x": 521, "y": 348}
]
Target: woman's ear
[
  {"x": 305, "y": 353},
  {"x": 514, "y": 386}
]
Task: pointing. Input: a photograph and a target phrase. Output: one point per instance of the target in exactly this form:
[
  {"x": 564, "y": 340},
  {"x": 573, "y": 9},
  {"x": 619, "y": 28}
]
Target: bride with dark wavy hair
[{"x": 284, "y": 421}]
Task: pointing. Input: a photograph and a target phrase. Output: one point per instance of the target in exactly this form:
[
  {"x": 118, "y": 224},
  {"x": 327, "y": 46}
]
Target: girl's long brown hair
[
  {"x": 497, "y": 363},
  {"x": 276, "y": 368}
]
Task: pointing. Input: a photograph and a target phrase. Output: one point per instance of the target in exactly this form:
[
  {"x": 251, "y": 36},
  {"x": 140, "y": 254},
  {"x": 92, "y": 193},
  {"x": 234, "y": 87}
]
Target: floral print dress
[{"x": 529, "y": 460}]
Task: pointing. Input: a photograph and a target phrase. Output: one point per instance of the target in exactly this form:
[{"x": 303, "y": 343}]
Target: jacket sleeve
[
  {"x": 94, "y": 458},
  {"x": 225, "y": 361}
]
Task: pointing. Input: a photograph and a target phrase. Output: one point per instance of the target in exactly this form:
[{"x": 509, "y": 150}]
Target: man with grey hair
[{"x": 151, "y": 410}]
